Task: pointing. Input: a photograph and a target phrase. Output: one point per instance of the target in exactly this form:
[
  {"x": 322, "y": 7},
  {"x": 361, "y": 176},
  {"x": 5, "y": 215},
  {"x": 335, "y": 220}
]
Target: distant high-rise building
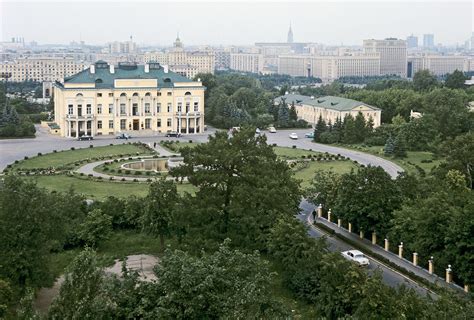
[
  {"x": 290, "y": 36},
  {"x": 412, "y": 41},
  {"x": 428, "y": 40},
  {"x": 393, "y": 55}
]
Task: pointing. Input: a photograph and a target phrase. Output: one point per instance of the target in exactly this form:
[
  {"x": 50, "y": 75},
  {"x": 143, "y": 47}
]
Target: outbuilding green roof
[
  {"x": 326, "y": 102},
  {"x": 103, "y": 78}
]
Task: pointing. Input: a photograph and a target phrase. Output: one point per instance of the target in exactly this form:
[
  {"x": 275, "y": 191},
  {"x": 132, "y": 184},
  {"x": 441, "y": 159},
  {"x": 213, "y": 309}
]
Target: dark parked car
[
  {"x": 173, "y": 134},
  {"x": 123, "y": 136},
  {"x": 85, "y": 137}
]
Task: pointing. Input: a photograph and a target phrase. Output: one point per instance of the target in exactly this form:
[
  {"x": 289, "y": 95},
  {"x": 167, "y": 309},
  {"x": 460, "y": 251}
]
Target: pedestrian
[{"x": 154, "y": 144}]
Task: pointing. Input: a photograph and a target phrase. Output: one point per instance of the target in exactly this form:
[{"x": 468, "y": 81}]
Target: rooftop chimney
[
  {"x": 147, "y": 68},
  {"x": 112, "y": 68},
  {"x": 92, "y": 68}
]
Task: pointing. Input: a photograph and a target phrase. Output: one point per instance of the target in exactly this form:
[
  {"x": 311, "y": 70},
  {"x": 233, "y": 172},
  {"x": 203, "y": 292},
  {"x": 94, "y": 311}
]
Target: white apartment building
[
  {"x": 222, "y": 59},
  {"x": 393, "y": 55},
  {"x": 330, "y": 67},
  {"x": 41, "y": 68},
  {"x": 247, "y": 62},
  {"x": 437, "y": 64}
]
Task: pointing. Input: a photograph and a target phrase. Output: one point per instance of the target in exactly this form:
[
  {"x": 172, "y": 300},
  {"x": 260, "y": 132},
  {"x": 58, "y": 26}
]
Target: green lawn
[
  {"x": 177, "y": 146},
  {"x": 306, "y": 172},
  {"x": 99, "y": 189},
  {"x": 290, "y": 153},
  {"x": 413, "y": 159},
  {"x": 66, "y": 157}
]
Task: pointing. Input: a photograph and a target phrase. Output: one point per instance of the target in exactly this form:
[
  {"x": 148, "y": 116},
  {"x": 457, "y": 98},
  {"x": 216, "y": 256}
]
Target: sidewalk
[{"x": 393, "y": 258}]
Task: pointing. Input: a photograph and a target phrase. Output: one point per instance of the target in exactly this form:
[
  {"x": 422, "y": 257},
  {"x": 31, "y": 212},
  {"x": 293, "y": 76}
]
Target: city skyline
[{"x": 239, "y": 23}]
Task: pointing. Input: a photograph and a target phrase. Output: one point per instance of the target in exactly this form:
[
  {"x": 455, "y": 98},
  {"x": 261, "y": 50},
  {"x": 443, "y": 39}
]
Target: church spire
[{"x": 290, "y": 35}]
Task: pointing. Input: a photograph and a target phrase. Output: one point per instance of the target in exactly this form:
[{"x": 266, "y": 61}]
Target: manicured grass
[
  {"x": 176, "y": 146},
  {"x": 290, "y": 153},
  {"x": 66, "y": 157},
  {"x": 409, "y": 164},
  {"x": 305, "y": 172},
  {"x": 93, "y": 189}
]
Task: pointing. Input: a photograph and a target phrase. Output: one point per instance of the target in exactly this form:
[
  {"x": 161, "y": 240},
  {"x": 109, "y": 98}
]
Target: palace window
[
  {"x": 158, "y": 123},
  {"x": 158, "y": 107},
  {"x": 158, "y": 94},
  {"x": 168, "y": 123},
  {"x": 99, "y": 109},
  {"x": 123, "y": 124},
  {"x": 147, "y": 108},
  {"x": 111, "y": 94},
  {"x": 99, "y": 124},
  {"x": 147, "y": 123},
  {"x": 99, "y": 94},
  {"x": 188, "y": 104},
  {"x": 170, "y": 108},
  {"x": 111, "y": 108},
  {"x": 196, "y": 107},
  {"x": 88, "y": 109},
  {"x": 180, "y": 106},
  {"x": 70, "y": 109},
  {"x": 123, "y": 109},
  {"x": 169, "y": 94},
  {"x": 111, "y": 124}
]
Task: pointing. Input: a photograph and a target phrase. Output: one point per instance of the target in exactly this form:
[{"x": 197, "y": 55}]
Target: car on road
[
  {"x": 357, "y": 257},
  {"x": 272, "y": 130},
  {"x": 123, "y": 136},
  {"x": 293, "y": 136},
  {"x": 85, "y": 137},
  {"x": 309, "y": 135},
  {"x": 173, "y": 134}
]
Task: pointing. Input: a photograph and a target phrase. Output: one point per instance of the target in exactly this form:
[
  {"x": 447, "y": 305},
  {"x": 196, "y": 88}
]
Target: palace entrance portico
[
  {"x": 190, "y": 122},
  {"x": 79, "y": 126}
]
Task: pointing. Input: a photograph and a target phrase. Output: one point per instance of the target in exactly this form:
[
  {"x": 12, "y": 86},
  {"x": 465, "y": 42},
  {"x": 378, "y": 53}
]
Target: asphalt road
[
  {"x": 16, "y": 149},
  {"x": 390, "y": 276}
]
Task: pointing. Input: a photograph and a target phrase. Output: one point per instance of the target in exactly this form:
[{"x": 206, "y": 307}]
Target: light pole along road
[{"x": 17, "y": 149}]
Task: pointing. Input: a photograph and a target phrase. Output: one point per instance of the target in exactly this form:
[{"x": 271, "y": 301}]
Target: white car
[
  {"x": 357, "y": 257},
  {"x": 293, "y": 136},
  {"x": 272, "y": 130}
]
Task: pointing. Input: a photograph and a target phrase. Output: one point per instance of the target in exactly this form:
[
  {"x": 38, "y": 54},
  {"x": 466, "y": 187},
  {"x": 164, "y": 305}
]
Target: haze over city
[{"x": 238, "y": 23}]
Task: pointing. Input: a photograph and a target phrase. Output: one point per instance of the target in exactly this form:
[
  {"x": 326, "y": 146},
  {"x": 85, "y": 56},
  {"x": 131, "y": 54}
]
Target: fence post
[
  {"x": 449, "y": 276},
  {"x": 339, "y": 222},
  {"x": 466, "y": 288},
  {"x": 361, "y": 234},
  {"x": 374, "y": 238},
  {"x": 386, "y": 244},
  {"x": 415, "y": 258},
  {"x": 350, "y": 227},
  {"x": 400, "y": 250},
  {"x": 329, "y": 215},
  {"x": 320, "y": 210},
  {"x": 431, "y": 265}
]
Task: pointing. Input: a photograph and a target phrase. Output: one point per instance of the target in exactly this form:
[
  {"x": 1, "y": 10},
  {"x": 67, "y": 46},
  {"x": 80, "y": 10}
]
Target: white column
[
  {"x": 187, "y": 124},
  {"x": 77, "y": 129},
  {"x": 195, "y": 125},
  {"x": 179, "y": 123}
]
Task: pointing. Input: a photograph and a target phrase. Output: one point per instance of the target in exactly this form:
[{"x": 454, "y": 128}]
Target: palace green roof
[
  {"x": 326, "y": 102},
  {"x": 104, "y": 79}
]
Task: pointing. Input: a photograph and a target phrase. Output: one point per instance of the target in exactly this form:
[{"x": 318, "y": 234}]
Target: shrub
[
  {"x": 16, "y": 161},
  {"x": 106, "y": 169},
  {"x": 82, "y": 173},
  {"x": 100, "y": 178},
  {"x": 111, "y": 178},
  {"x": 123, "y": 179},
  {"x": 148, "y": 180},
  {"x": 135, "y": 180},
  {"x": 90, "y": 175},
  {"x": 26, "y": 158},
  {"x": 111, "y": 144},
  {"x": 303, "y": 156},
  {"x": 72, "y": 148},
  {"x": 426, "y": 161},
  {"x": 130, "y": 158},
  {"x": 91, "y": 146},
  {"x": 127, "y": 171},
  {"x": 137, "y": 173},
  {"x": 54, "y": 151},
  {"x": 119, "y": 171},
  {"x": 294, "y": 147},
  {"x": 148, "y": 173},
  {"x": 190, "y": 141}
]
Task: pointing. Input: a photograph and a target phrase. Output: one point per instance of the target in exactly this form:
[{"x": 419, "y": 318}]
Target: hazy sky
[{"x": 237, "y": 22}]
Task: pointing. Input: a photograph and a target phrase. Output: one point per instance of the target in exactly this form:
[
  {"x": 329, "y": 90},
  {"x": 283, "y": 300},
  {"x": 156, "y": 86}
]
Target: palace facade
[{"x": 129, "y": 98}]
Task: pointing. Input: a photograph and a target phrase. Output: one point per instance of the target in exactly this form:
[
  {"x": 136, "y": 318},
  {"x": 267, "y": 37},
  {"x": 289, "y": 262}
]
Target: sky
[{"x": 237, "y": 22}]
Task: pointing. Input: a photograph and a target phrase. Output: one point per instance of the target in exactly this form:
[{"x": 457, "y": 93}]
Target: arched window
[
  {"x": 79, "y": 95},
  {"x": 187, "y": 93},
  {"x": 167, "y": 80},
  {"x": 123, "y": 94},
  {"x": 148, "y": 94},
  {"x": 135, "y": 94}
]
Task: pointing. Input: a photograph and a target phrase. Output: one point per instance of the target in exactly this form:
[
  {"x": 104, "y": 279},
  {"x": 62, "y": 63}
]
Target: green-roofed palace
[
  {"x": 329, "y": 108},
  {"x": 138, "y": 99}
]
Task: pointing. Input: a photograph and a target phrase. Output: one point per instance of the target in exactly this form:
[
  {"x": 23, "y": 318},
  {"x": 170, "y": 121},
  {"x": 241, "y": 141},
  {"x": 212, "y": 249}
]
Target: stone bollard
[
  {"x": 466, "y": 288},
  {"x": 400, "y": 250},
  {"x": 374, "y": 238},
  {"x": 329, "y": 215},
  {"x": 430, "y": 266},
  {"x": 386, "y": 244},
  {"x": 449, "y": 276},
  {"x": 339, "y": 222},
  {"x": 350, "y": 227},
  {"x": 415, "y": 259},
  {"x": 361, "y": 234},
  {"x": 320, "y": 211}
]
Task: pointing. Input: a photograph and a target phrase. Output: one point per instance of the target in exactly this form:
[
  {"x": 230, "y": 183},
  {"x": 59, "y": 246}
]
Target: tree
[
  {"x": 319, "y": 128},
  {"x": 82, "y": 294},
  {"x": 367, "y": 199},
  {"x": 96, "y": 227},
  {"x": 399, "y": 147},
  {"x": 455, "y": 80},
  {"x": 242, "y": 188},
  {"x": 389, "y": 147},
  {"x": 227, "y": 284},
  {"x": 283, "y": 115},
  {"x": 360, "y": 128},
  {"x": 6, "y": 297},
  {"x": 423, "y": 80},
  {"x": 459, "y": 153},
  {"x": 324, "y": 188},
  {"x": 349, "y": 134},
  {"x": 293, "y": 114},
  {"x": 160, "y": 209}
]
